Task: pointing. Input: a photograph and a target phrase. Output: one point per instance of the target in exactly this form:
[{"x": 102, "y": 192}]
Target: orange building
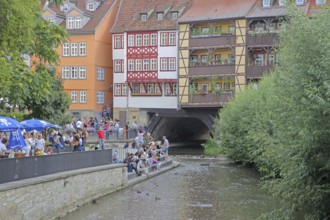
[{"x": 86, "y": 58}]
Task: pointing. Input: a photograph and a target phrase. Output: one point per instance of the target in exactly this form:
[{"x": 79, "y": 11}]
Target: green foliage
[
  {"x": 19, "y": 116},
  {"x": 211, "y": 148},
  {"x": 283, "y": 126}
]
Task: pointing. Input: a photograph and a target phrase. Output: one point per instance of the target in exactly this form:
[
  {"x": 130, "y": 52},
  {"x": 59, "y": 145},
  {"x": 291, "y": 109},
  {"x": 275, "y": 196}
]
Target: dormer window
[
  {"x": 143, "y": 17},
  {"x": 65, "y": 7},
  {"x": 282, "y": 2},
  {"x": 160, "y": 16},
  {"x": 73, "y": 23},
  {"x": 266, "y": 3},
  {"x": 174, "y": 15},
  {"x": 321, "y": 2},
  {"x": 299, "y": 2},
  {"x": 91, "y": 7}
]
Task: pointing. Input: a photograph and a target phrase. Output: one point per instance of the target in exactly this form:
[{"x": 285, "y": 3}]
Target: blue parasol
[
  {"x": 36, "y": 124},
  {"x": 16, "y": 140},
  {"x": 8, "y": 124}
]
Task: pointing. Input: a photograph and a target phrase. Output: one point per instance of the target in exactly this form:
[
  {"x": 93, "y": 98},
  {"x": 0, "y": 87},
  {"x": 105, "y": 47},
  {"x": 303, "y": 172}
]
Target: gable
[
  {"x": 47, "y": 13},
  {"x": 74, "y": 12}
]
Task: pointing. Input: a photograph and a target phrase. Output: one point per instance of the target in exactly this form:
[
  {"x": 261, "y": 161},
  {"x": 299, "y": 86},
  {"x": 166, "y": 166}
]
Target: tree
[{"x": 283, "y": 126}]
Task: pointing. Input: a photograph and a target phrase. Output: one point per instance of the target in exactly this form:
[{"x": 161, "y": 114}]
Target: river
[{"x": 200, "y": 188}]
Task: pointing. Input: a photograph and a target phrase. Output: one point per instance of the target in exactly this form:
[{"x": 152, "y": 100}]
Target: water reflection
[{"x": 201, "y": 188}]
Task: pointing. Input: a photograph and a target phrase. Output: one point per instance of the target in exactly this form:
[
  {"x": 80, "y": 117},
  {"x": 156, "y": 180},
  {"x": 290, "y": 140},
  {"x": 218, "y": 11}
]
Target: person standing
[
  {"x": 108, "y": 112},
  {"x": 165, "y": 146},
  {"x": 28, "y": 143},
  {"x": 3, "y": 147},
  {"x": 101, "y": 137}
]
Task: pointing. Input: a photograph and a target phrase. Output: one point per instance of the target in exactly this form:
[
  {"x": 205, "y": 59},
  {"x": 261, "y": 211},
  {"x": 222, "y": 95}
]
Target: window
[
  {"x": 193, "y": 59},
  {"x": 171, "y": 62},
  {"x": 266, "y": 3},
  {"x": 74, "y": 72},
  {"x": 130, "y": 41},
  {"x": 231, "y": 58},
  {"x": 205, "y": 87},
  {"x": 74, "y": 49},
  {"x": 271, "y": 28},
  {"x": 77, "y": 22},
  {"x": 153, "y": 64},
  {"x": 174, "y": 15},
  {"x": 157, "y": 89},
  {"x": 175, "y": 89},
  {"x": 320, "y": 2},
  {"x": 146, "y": 65},
  {"x": 118, "y": 66},
  {"x": 258, "y": 59},
  {"x": 163, "y": 37},
  {"x": 168, "y": 89},
  {"x": 151, "y": 88},
  {"x": 135, "y": 88},
  {"x": 65, "y": 72},
  {"x": 163, "y": 64},
  {"x": 217, "y": 30},
  {"x": 282, "y": 2},
  {"x": 160, "y": 16},
  {"x": 99, "y": 97},
  {"x": 123, "y": 89},
  {"x": 172, "y": 39},
  {"x": 90, "y": 7},
  {"x": 82, "y": 49},
  {"x": 226, "y": 86},
  {"x": 100, "y": 73},
  {"x": 142, "y": 89},
  {"x": 51, "y": 19},
  {"x": 83, "y": 98},
  {"x": 153, "y": 39},
  {"x": 118, "y": 42},
  {"x": 117, "y": 89},
  {"x": 138, "y": 65},
  {"x": 146, "y": 40},
  {"x": 74, "y": 96},
  {"x": 66, "y": 49},
  {"x": 138, "y": 40},
  {"x": 70, "y": 23},
  {"x": 260, "y": 27},
  {"x": 82, "y": 72},
  {"x": 205, "y": 31},
  {"x": 204, "y": 58},
  {"x": 130, "y": 65},
  {"x": 65, "y": 7},
  {"x": 143, "y": 17},
  {"x": 231, "y": 30},
  {"x": 217, "y": 87},
  {"x": 299, "y": 2},
  {"x": 271, "y": 59}
]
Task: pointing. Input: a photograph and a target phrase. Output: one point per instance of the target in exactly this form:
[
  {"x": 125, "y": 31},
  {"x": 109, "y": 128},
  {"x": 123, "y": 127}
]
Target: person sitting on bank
[
  {"x": 142, "y": 166},
  {"x": 4, "y": 152}
]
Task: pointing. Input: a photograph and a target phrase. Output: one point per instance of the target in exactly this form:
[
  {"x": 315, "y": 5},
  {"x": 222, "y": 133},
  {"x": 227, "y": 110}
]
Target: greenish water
[{"x": 201, "y": 188}]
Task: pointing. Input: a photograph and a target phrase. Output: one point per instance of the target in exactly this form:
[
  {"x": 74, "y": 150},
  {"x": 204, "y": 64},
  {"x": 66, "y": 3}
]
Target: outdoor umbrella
[
  {"x": 8, "y": 124},
  {"x": 36, "y": 124},
  {"x": 16, "y": 140}
]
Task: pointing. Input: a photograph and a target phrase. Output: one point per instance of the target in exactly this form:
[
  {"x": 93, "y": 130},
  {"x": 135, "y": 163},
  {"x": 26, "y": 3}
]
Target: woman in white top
[
  {"x": 27, "y": 147},
  {"x": 40, "y": 143}
]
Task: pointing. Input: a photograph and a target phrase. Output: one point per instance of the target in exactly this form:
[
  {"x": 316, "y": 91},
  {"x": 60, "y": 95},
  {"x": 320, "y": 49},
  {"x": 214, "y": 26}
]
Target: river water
[{"x": 200, "y": 188}]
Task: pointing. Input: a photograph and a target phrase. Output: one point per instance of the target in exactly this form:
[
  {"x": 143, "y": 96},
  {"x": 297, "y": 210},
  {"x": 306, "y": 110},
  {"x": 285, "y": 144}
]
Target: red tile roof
[
  {"x": 96, "y": 16},
  {"x": 128, "y": 18},
  {"x": 202, "y": 10}
]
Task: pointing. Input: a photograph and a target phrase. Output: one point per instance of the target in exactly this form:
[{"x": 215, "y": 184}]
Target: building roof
[
  {"x": 202, "y": 10},
  {"x": 129, "y": 14},
  {"x": 95, "y": 16},
  {"x": 274, "y": 10}
]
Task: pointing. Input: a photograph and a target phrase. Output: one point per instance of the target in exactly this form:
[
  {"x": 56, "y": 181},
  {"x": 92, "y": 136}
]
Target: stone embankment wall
[{"x": 50, "y": 196}]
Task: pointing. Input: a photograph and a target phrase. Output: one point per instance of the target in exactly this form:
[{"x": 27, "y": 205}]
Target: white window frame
[
  {"x": 168, "y": 91},
  {"x": 205, "y": 87},
  {"x": 138, "y": 40},
  {"x": 74, "y": 49},
  {"x": 151, "y": 88},
  {"x": 259, "y": 59},
  {"x": 157, "y": 89},
  {"x": 82, "y": 49},
  {"x": 100, "y": 73},
  {"x": 66, "y": 49},
  {"x": 146, "y": 40},
  {"x": 153, "y": 41},
  {"x": 174, "y": 15},
  {"x": 99, "y": 97},
  {"x": 146, "y": 65},
  {"x": 143, "y": 17},
  {"x": 123, "y": 89},
  {"x": 118, "y": 66},
  {"x": 74, "y": 72},
  {"x": 171, "y": 64},
  {"x": 135, "y": 88},
  {"x": 82, "y": 72},
  {"x": 172, "y": 39},
  {"x": 83, "y": 97},
  {"x": 70, "y": 23},
  {"x": 153, "y": 64},
  {"x": 142, "y": 89},
  {"x": 77, "y": 22},
  {"x": 90, "y": 7},
  {"x": 163, "y": 37},
  {"x": 266, "y": 3},
  {"x": 117, "y": 89},
  {"x": 163, "y": 64},
  {"x": 74, "y": 96},
  {"x": 130, "y": 65},
  {"x": 130, "y": 41},
  {"x": 138, "y": 65},
  {"x": 118, "y": 44},
  {"x": 160, "y": 16},
  {"x": 65, "y": 72}
]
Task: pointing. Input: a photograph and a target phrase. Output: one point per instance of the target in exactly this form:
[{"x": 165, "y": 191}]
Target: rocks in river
[
  {"x": 157, "y": 198},
  {"x": 138, "y": 191},
  {"x": 205, "y": 164}
]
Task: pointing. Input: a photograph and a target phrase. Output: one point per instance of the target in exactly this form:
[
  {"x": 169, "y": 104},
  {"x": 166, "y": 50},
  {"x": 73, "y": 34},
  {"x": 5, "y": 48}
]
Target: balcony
[
  {"x": 208, "y": 100},
  {"x": 211, "y": 69},
  {"x": 262, "y": 39},
  {"x": 212, "y": 41},
  {"x": 257, "y": 71}
]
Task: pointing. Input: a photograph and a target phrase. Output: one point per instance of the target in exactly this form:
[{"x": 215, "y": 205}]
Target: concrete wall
[{"x": 54, "y": 195}]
